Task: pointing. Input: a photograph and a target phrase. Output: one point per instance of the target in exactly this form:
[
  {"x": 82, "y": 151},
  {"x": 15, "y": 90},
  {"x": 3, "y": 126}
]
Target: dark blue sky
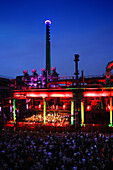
[{"x": 78, "y": 26}]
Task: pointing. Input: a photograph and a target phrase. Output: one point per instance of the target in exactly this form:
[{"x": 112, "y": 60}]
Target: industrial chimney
[
  {"x": 48, "y": 55},
  {"x": 76, "y": 66}
]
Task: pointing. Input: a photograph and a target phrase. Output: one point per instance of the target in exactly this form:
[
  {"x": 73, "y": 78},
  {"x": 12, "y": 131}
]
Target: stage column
[
  {"x": 72, "y": 112},
  {"x": 110, "y": 125},
  {"x": 14, "y": 112},
  {"x": 44, "y": 110},
  {"x": 82, "y": 113}
]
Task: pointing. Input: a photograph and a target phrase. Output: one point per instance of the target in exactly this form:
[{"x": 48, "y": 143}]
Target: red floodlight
[
  {"x": 64, "y": 106},
  {"x": 39, "y": 106},
  {"x": 88, "y": 108}
]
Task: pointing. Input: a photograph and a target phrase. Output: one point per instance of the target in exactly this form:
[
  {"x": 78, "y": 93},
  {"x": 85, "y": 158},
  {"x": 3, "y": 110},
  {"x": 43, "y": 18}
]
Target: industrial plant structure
[{"x": 50, "y": 100}]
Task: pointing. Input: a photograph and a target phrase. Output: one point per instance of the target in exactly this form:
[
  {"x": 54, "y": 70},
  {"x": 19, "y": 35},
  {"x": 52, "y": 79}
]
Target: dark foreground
[{"x": 55, "y": 151}]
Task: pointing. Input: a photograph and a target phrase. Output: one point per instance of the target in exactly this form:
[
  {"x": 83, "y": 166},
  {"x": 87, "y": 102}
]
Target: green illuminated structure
[
  {"x": 14, "y": 112},
  {"x": 72, "y": 112},
  {"x": 44, "y": 102},
  {"x": 82, "y": 113},
  {"x": 110, "y": 125}
]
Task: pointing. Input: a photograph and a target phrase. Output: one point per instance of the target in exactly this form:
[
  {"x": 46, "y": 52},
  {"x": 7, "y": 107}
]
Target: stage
[{"x": 56, "y": 127}]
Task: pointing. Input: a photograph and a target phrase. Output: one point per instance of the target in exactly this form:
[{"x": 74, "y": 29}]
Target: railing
[
  {"x": 94, "y": 76},
  {"x": 66, "y": 77}
]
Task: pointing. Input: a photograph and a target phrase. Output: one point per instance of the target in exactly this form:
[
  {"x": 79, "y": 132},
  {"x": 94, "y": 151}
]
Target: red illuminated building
[{"x": 58, "y": 101}]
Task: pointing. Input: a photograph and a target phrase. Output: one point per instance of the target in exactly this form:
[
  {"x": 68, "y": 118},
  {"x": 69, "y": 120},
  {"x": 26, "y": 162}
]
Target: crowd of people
[
  {"x": 54, "y": 151},
  {"x": 50, "y": 118}
]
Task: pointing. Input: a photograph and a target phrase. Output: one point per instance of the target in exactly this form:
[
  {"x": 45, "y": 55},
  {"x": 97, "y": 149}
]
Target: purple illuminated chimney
[{"x": 48, "y": 54}]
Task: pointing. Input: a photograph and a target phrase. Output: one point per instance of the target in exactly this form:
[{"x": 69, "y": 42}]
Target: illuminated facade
[{"x": 77, "y": 100}]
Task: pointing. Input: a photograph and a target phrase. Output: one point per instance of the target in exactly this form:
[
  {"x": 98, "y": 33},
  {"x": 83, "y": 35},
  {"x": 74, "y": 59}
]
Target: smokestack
[
  {"x": 76, "y": 66},
  {"x": 48, "y": 55}
]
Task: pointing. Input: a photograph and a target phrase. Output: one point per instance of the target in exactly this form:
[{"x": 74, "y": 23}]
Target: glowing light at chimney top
[{"x": 48, "y": 22}]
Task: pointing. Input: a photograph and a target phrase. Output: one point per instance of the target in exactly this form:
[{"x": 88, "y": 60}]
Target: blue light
[{"x": 48, "y": 22}]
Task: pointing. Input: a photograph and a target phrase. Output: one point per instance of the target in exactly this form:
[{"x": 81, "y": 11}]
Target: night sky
[{"x": 83, "y": 27}]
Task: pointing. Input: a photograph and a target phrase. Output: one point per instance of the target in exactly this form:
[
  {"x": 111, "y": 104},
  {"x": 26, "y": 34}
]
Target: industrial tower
[{"x": 48, "y": 54}]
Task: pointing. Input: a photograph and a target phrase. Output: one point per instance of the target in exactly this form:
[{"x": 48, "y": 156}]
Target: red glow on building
[
  {"x": 25, "y": 71},
  {"x": 43, "y": 69},
  {"x": 98, "y": 93},
  {"x": 10, "y": 101},
  {"x": 88, "y": 108},
  {"x": 108, "y": 75},
  {"x": 60, "y": 94},
  {"x": 39, "y": 106},
  {"x": 34, "y": 70},
  {"x": 110, "y": 66},
  {"x": 64, "y": 106},
  {"x": 41, "y": 94},
  {"x": 37, "y": 94},
  {"x": 90, "y": 98},
  {"x": 53, "y": 68},
  {"x": 108, "y": 107}
]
